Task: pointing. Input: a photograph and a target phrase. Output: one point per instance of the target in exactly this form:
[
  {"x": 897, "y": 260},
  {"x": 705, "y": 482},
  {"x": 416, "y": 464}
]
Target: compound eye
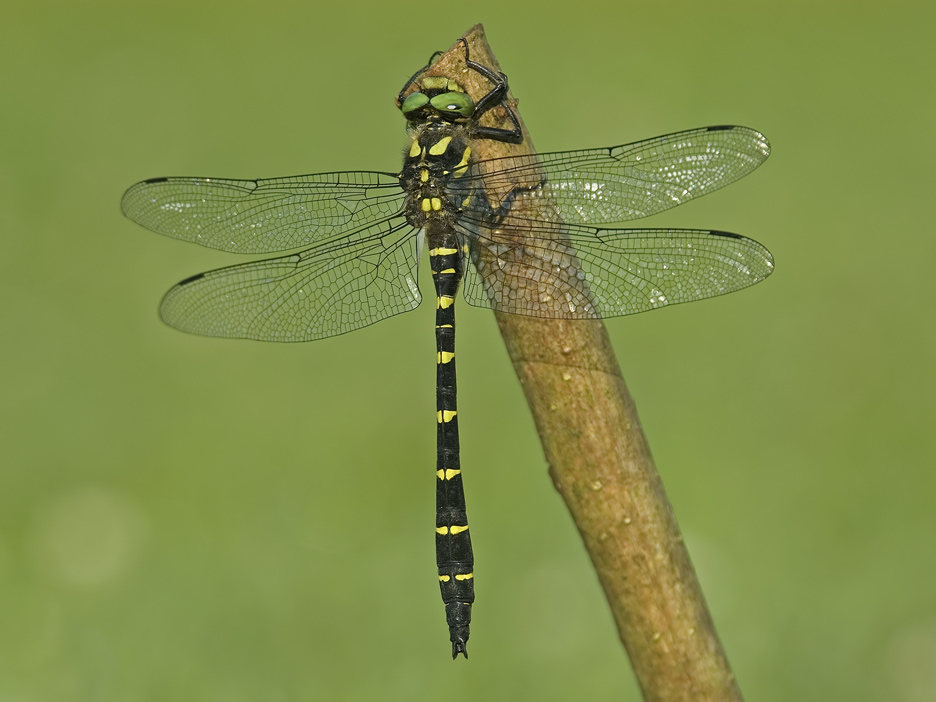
[
  {"x": 414, "y": 102},
  {"x": 453, "y": 103}
]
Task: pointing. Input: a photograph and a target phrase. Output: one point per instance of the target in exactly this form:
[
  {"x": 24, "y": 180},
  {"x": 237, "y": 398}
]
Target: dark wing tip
[
  {"x": 126, "y": 203},
  {"x": 729, "y": 235},
  {"x": 190, "y": 279},
  {"x": 759, "y": 247}
]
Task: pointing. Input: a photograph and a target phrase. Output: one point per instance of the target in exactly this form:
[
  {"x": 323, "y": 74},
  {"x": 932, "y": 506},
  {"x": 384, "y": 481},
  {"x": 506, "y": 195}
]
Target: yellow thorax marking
[
  {"x": 442, "y": 252},
  {"x": 423, "y": 175},
  {"x": 436, "y": 204},
  {"x": 462, "y": 166},
  {"x": 444, "y": 302},
  {"x": 444, "y": 357},
  {"x": 445, "y": 415},
  {"x": 440, "y": 146},
  {"x": 426, "y": 205},
  {"x": 415, "y": 149}
]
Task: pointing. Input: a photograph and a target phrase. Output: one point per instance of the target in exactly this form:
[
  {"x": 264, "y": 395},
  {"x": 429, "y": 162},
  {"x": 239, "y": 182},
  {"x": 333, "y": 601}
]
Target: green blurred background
[{"x": 197, "y": 519}]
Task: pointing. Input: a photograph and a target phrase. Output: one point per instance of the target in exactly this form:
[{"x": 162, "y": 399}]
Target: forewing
[
  {"x": 326, "y": 290},
  {"x": 574, "y": 272},
  {"x": 263, "y": 216},
  {"x": 621, "y": 183}
]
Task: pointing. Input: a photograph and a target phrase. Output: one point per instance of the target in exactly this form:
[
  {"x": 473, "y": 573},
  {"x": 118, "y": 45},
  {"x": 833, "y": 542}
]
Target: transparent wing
[
  {"x": 263, "y": 216},
  {"x": 575, "y": 272},
  {"x": 621, "y": 183},
  {"x": 326, "y": 290}
]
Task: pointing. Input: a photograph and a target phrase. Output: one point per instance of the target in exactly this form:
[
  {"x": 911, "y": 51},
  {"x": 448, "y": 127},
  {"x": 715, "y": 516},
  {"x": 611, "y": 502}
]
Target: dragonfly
[{"x": 516, "y": 234}]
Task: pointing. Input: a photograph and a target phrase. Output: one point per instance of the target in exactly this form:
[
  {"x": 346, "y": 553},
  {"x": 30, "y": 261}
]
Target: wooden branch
[{"x": 600, "y": 462}]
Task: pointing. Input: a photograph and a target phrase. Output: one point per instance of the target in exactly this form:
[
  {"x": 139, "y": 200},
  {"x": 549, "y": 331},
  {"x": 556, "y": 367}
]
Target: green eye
[
  {"x": 453, "y": 102},
  {"x": 414, "y": 102}
]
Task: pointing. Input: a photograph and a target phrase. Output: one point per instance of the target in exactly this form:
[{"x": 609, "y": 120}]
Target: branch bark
[{"x": 600, "y": 463}]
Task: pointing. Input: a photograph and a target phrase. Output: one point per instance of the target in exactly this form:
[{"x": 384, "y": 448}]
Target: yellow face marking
[
  {"x": 440, "y": 146},
  {"x": 464, "y": 576},
  {"x": 444, "y": 302},
  {"x": 436, "y": 203},
  {"x": 454, "y": 87},
  {"x": 442, "y": 530},
  {"x": 426, "y": 205},
  {"x": 455, "y": 529},
  {"x": 434, "y": 83},
  {"x": 445, "y": 578},
  {"x": 442, "y": 252},
  {"x": 423, "y": 176},
  {"x": 415, "y": 149},
  {"x": 445, "y": 415},
  {"x": 444, "y": 357}
]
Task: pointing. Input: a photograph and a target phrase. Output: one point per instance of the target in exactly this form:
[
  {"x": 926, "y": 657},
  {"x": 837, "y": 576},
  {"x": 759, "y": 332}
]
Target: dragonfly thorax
[{"x": 438, "y": 157}]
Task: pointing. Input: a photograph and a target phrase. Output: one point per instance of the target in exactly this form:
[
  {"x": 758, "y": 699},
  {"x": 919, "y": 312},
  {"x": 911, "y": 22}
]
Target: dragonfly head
[{"x": 438, "y": 98}]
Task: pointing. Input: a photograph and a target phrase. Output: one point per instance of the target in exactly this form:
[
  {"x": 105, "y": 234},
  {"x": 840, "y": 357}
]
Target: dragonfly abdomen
[{"x": 454, "y": 556}]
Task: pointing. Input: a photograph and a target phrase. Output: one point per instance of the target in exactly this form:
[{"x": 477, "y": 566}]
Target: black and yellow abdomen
[{"x": 438, "y": 154}]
